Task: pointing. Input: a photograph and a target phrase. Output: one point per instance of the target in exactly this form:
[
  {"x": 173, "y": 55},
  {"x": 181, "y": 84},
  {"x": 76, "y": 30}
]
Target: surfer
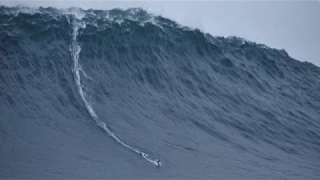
[{"x": 158, "y": 162}]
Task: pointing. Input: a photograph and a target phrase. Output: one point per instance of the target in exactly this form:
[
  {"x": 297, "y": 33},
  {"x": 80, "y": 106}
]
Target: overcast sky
[{"x": 290, "y": 25}]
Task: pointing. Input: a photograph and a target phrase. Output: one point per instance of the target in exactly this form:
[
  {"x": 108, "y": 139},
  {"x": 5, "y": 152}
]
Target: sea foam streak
[{"x": 75, "y": 51}]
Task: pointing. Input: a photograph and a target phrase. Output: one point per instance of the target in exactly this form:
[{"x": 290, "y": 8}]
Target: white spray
[{"x": 75, "y": 51}]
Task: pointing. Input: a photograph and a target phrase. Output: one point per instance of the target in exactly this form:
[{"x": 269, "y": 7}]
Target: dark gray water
[{"x": 103, "y": 94}]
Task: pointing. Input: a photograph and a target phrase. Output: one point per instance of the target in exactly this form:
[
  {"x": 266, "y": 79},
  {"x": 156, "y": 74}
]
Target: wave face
[{"x": 103, "y": 94}]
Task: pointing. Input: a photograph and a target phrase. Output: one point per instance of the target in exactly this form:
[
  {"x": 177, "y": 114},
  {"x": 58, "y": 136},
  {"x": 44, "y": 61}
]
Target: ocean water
[{"x": 105, "y": 93}]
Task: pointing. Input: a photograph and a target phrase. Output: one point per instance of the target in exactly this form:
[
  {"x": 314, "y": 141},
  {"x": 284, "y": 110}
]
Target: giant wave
[{"x": 208, "y": 107}]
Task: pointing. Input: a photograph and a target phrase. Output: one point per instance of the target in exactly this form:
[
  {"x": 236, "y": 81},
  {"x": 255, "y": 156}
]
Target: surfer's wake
[{"x": 75, "y": 51}]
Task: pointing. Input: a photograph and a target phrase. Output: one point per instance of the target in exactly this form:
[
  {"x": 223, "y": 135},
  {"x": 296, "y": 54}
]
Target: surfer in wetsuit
[{"x": 158, "y": 162}]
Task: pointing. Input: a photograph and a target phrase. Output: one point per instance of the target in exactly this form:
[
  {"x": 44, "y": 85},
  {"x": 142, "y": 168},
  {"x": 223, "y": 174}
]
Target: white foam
[
  {"x": 77, "y": 12},
  {"x": 75, "y": 51}
]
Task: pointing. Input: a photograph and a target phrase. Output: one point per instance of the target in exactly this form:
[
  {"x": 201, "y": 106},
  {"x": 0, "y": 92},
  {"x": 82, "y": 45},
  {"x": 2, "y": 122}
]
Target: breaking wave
[{"x": 155, "y": 87}]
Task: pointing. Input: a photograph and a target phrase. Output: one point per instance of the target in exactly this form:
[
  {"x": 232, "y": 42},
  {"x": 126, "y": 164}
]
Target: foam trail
[{"x": 75, "y": 50}]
